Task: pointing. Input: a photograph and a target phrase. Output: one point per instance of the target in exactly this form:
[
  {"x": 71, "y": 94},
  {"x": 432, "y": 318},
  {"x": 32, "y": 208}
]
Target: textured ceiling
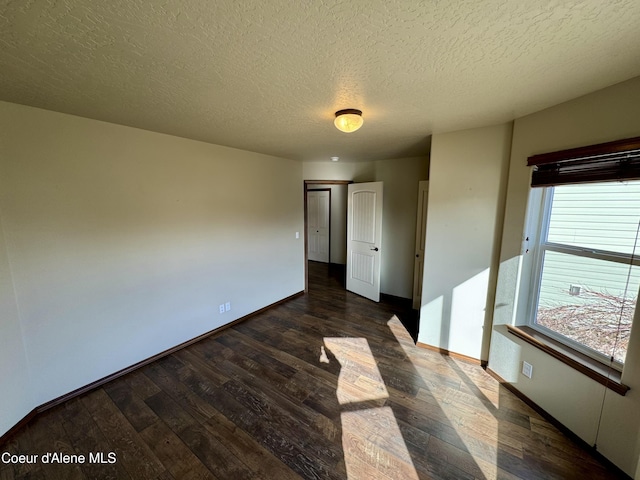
[{"x": 267, "y": 76}]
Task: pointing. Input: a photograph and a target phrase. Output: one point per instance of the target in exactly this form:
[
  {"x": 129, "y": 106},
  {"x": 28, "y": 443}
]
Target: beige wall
[
  {"x": 464, "y": 216},
  {"x": 123, "y": 242},
  {"x": 400, "y": 177},
  {"x": 355, "y": 171},
  {"x": 569, "y": 396}
]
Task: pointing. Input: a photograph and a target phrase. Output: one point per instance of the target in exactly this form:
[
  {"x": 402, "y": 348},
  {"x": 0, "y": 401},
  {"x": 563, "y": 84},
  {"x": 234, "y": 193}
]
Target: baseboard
[
  {"x": 13, "y": 430},
  {"x": 547, "y": 416},
  {"x": 93, "y": 385},
  {"x": 457, "y": 356},
  {"x": 556, "y": 423}
]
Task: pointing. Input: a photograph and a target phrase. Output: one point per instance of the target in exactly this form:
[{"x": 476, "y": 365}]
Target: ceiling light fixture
[
  {"x": 335, "y": 159},
  {"x": 348, "y": 120}
]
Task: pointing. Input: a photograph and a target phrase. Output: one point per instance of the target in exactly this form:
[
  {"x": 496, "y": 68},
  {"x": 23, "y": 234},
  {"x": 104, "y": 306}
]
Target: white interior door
[
  {"x": 421, "y": 234},
  {"x": 364, "y": 235},
  {"x": 318, "y": 217}
]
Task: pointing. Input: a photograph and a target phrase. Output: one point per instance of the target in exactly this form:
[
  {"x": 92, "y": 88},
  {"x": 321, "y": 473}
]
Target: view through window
[{"x": 588, "y": 268}]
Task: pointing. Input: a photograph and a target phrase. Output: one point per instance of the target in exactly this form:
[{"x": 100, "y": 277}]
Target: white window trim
[{"x": 539, "y": 215}]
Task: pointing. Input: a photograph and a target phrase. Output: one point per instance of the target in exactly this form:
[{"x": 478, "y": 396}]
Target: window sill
[{"x": 593, "y": 369}]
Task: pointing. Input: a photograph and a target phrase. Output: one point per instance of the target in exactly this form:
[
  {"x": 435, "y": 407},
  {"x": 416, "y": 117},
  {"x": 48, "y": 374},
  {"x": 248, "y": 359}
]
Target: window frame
[{"x": 541, "y": 219}]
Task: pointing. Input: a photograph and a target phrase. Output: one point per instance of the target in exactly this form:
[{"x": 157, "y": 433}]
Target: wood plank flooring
[{"x": 326, "y": 386}]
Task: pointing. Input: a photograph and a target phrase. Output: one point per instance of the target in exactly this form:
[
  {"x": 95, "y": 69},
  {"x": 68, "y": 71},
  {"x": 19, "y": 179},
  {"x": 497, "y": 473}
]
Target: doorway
[
  {"x": 355, "y": 223},
  {"x": 334, "y": 268},
  {"x": 333, "y": 273}
]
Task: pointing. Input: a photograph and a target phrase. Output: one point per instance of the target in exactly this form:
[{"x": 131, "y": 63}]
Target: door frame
[
  {"x": 421, "y": 232},
  {"x": 321, "y": 190},
  {"x": 308, "y": 183}
]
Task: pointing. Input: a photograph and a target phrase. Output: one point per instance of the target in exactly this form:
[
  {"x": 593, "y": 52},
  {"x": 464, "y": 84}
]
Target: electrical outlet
[
  {"x": 297, "y": 234},
  {"x": 227, "y": 306},
  {"x": 527, "y": 369},
  {"x": 221, "y": 308}
]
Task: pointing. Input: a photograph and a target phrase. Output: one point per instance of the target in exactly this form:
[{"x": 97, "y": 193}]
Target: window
[
  {"x": 587, "y": 270},
  {"x": 583, "y": 243}
]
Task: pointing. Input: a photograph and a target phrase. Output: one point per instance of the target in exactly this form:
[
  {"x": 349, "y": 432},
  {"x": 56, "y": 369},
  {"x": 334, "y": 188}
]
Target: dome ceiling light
[{"x": 348, "y": 120}]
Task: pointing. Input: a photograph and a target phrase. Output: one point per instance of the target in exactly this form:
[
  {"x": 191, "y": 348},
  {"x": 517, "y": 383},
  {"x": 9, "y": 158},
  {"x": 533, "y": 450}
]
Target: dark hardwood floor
[{"x": 326, "y": 386}]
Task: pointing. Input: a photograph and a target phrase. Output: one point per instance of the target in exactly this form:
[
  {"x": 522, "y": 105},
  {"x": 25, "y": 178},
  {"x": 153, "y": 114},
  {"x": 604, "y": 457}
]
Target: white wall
[
  {"x": 123, "y": 242},
  {"x": 400, "y": 177},
  {"x": 467, "y": 181},
  {"x": 16, "y": 400},
  {"x": 569, "y": 396}
]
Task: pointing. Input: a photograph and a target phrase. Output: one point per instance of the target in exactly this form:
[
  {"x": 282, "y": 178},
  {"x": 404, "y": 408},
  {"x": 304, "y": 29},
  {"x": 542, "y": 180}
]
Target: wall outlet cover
[{"x": 527, "y": 369}]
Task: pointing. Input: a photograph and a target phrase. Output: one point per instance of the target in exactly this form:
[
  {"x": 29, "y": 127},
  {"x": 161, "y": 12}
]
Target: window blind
[{"x": 619, "y": 160}]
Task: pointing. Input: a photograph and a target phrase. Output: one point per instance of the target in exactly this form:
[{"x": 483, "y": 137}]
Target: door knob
[
  {"x": 375, "y": 249},
  {"x": 417, "y": 255}
]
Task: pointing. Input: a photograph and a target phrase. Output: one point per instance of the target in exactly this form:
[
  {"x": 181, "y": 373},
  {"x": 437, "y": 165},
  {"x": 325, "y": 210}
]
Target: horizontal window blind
[{"x": 619, "y": 160}]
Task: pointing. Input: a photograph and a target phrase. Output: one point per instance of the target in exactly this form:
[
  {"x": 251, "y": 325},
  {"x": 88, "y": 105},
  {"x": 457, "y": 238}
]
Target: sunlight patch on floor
[
  {"x": 359, "y": 379},
  {"x": 477, "y": 431},
  {"x": 372, "y": 442}
]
